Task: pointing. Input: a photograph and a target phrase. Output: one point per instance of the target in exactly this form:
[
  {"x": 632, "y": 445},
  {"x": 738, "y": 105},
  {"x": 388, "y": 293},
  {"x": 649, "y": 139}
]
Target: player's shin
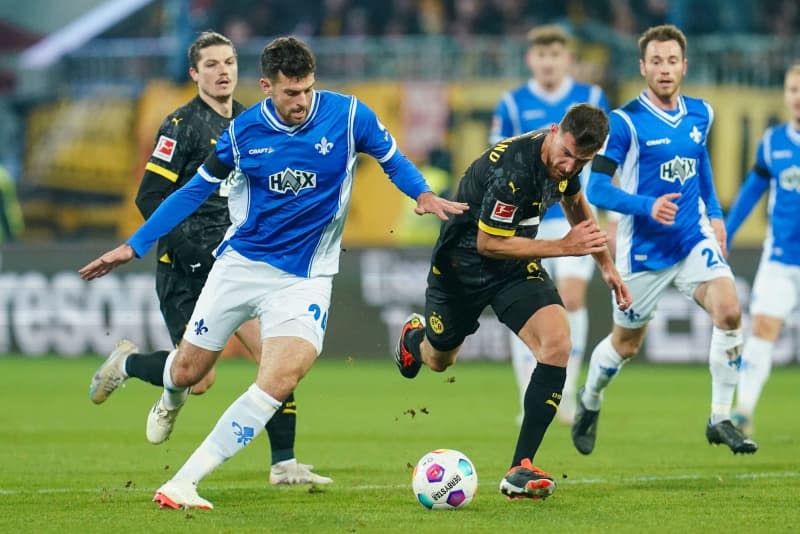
[
  {"x": 755, "y": 370},
  {"x": 724, "y": 361},
  {"x": 541, "y": 404},
  {"x": 238, "y": 426},
  {"x": 604, "y": 365},
  {"x": 173, "y": 396}
]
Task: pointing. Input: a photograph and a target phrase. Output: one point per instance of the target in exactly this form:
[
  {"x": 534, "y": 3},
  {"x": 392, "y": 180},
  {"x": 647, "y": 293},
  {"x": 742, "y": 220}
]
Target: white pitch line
[{"x": 591, "y": 481}]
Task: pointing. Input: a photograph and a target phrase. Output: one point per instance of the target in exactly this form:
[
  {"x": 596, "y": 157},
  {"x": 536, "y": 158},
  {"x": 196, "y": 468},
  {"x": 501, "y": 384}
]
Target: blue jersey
[
  {"x": 777, "y": 167},
  {"x": 290, "y": 186},
  {"x": 529, "y": 107},
  {"x": 657, "y": 152}
]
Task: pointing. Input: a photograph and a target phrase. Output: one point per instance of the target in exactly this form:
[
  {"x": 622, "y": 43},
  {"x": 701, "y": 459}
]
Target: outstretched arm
[{"x": 172, "y": 211}]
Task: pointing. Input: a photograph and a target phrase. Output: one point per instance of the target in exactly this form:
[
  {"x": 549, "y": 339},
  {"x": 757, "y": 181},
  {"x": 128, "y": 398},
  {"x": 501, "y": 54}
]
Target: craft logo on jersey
[
  {"x": 292, "y": 180},
  {"x": 678, "y": 168},
  {"x": 503, "y": 212},
  {"x": 165, "y": 148}
]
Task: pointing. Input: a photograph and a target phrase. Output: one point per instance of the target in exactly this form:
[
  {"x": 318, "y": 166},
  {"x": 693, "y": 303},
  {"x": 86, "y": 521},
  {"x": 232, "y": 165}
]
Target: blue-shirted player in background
[
  {"x": 292, "y": 159},
  {"x": 540, "y": 102},
  {"x": 777, "y": 284},
  {"x": 671, "y": 232}
]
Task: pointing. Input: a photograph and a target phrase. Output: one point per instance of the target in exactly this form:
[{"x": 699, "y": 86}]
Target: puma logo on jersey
[
  {"x": 292, "y": 180},
  {"x": 176, "y": 120}
]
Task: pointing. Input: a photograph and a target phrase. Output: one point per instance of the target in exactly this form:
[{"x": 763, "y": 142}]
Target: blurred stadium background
[{"x": 84, "y": 85}]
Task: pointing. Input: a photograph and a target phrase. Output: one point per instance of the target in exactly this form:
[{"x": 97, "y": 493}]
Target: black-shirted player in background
[
  {"x": 489, "y": 256},
  {"x": 185, "y": 257}
]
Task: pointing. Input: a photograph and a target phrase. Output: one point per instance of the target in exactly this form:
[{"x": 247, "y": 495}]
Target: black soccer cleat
[
  {"x": 407, "y": 364},
  {"x": 526, "y": 481},
  {"x": 724, "y": 433},
  {"x": 584, "y": 428}
]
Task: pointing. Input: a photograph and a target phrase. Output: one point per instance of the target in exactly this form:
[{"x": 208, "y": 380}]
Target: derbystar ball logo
[{"x": 292, "y": 180}]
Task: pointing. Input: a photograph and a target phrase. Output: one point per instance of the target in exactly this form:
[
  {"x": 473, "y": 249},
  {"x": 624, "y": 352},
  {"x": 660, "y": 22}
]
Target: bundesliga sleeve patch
[
  {"x": 165, "y": 148},
  {"x": 503, "y": 212}
]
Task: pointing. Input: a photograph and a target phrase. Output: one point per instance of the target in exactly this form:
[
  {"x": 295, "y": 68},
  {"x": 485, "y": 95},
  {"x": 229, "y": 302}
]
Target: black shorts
[
  {"x": 177, "y": 295},
  {"x": 455, "y": 300}
]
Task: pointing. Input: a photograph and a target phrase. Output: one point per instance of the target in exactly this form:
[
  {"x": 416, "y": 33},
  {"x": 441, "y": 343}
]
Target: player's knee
[
  {"x": 728, "y": 315},
  {"x": 439, "y": 364},
  {"x": 555, "y": 350}
]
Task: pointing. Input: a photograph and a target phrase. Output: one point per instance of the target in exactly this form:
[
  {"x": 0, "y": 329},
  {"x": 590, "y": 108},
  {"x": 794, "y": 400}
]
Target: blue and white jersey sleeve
[
  {"x": 372, "y": 138},
  {"x": 502, "y": 126}
]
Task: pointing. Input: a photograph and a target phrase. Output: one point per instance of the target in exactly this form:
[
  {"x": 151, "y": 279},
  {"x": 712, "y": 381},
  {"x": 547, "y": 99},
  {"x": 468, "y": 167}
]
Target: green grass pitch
[{"x": 70, "y": 466}]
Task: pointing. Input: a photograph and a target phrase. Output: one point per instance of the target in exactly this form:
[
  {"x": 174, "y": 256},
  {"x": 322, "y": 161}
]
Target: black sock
[
  {"x": 541, "y": 403},
  {"x": 413, "y": 341},
  {"x": 281, "y": 430},
  {"x": 148, "y": 367}
]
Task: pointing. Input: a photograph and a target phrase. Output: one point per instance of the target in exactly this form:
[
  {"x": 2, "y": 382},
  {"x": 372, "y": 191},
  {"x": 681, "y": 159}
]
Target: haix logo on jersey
[
  {"x": 292, "y": 180},
  {"x": 503, "y": 212},
  {"x": 165, "y": 148},
  {"x": 324, "y": 146},
  {"x": 781, "y": 154},
  {"x": 790, "y": 178},
  {"x": 678, "y": 168}
]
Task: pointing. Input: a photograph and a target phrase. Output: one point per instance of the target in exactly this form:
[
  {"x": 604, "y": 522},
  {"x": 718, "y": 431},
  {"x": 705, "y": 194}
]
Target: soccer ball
[{"x": 444, "y": 479}]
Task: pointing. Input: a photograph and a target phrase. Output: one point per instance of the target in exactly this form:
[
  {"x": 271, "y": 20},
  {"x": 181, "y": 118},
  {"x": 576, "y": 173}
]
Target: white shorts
[
  {"x": 239, "y": 289},
  {"x": 704, "y": 263},
  {"x": 581, "y": 267},
  {"x": 775, "y": 288}
]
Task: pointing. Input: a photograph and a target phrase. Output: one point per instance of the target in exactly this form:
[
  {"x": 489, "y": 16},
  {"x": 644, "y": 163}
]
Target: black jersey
[
  {"x": 183, "y": 142},
  {"x": 508, "y": 191}
]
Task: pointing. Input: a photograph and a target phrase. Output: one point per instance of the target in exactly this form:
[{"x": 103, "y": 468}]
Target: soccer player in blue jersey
[
  {"x": 777, "y": 284},
  {"x": 671, "y": 232},
  {"x": 293, "y": 157},
  {"x": 184, "y": 140},
  {"x": 542, "y": 101}
]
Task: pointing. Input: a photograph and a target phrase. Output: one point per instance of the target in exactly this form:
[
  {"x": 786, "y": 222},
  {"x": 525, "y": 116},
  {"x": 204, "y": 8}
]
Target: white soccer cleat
[
  {"x": 111, "y": 374},
  {"x": 180, "y": 494},
  {"x": 160, "y": 421},
  {"x": 293, "y": 472}
]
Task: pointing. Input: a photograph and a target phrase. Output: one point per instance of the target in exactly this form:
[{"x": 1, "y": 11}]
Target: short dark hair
[
  {"x": 665, "y": 32},
  {"x": 204, "y": 40},
  {"x": 288, "y": 55},
  {"x": 547, "y": 35},
  {"x": 588, "y": 125}
]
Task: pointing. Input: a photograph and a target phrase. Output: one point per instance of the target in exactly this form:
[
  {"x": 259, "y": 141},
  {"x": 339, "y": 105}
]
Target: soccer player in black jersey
[
  {"x": 489, "y": 255},
  {"x": 185, "y": 138}
]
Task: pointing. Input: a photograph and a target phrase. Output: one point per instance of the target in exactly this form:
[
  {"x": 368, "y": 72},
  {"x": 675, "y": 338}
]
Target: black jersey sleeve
[
  {"x": 499, "y": 210},
  {"x": 152, "y": 191}
]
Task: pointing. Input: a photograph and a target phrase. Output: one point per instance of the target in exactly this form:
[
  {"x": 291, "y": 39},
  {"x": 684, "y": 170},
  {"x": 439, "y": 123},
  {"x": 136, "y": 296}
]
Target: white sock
[
  {"x": 238, "y": 426},
  {"x": 756, "y": 367},
  {"x": 604, "y": 365},
  {"x": 578, "y": 330},
  {"x": 524, "y": 363},
  {"x": 724, "y": 359},
  {"x": 173, "y": 396}
]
